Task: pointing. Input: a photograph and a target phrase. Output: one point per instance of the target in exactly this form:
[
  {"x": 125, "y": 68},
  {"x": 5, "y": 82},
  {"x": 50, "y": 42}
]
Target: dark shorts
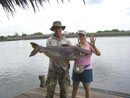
[{"x": 86, "y": 76}]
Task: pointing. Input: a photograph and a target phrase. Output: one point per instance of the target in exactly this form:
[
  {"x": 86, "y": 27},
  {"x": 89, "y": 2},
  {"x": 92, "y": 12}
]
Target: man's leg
[
  {"x": 64, "y": 82},
  {"x": 51, "y": 84}
]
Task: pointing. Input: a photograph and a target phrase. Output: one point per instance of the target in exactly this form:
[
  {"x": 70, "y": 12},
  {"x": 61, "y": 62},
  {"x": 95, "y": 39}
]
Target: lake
[{"x": 19, "y": 72}]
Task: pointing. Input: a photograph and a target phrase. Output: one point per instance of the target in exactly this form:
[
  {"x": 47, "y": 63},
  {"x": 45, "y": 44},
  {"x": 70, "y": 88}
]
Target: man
[{"x": 57, "y": 72}]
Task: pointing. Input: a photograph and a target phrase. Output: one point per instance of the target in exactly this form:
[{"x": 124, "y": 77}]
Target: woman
[{"x": 83, "y": 67}]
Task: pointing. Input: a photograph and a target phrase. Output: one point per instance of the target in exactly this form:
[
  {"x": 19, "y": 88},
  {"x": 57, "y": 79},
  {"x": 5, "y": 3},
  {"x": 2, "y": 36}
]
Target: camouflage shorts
[{"x": 64, "y": 82}]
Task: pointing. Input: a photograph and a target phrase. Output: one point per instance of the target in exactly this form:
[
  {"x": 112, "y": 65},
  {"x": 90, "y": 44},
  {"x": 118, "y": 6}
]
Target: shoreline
[{"x": 45, "y": 36}]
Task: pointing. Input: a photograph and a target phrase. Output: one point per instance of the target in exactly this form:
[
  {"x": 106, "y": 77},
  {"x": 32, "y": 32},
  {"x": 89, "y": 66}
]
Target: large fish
[{"x": 60, "y": 53}]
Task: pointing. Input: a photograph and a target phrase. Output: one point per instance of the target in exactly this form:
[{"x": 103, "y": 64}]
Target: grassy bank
[{"x": 71, "y": 35}]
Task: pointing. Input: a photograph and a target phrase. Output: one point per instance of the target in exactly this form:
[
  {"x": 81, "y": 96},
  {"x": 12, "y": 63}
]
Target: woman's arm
[
  {"x": 95, "y": 50},
  {"x": 93, "y": 47}
]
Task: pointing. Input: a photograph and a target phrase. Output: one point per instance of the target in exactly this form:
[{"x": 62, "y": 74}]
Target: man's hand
[
  {"x": 40, "y": 49},
  {"x": 77, "y": 58}
]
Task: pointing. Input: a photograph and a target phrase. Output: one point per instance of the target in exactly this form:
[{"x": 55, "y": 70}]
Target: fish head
[{"x": 82, "y": 52}]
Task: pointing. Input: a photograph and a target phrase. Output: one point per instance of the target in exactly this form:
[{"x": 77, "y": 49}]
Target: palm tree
[{"x": 9, "y": 5}]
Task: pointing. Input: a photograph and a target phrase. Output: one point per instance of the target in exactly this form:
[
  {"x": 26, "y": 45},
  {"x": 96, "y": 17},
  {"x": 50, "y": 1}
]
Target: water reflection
[{"x": 19, "y": 73}]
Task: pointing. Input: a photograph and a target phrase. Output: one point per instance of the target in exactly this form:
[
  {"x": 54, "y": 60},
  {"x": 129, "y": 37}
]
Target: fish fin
[
  {"x": 34, "y": 51},
  {"x": 57, "y": 62},
  {"x": 34, "y": 45},
  {"x": 67, "y": 62},
  {"x": 65, "y": 45},
  {"x": 52, "y": 58}
]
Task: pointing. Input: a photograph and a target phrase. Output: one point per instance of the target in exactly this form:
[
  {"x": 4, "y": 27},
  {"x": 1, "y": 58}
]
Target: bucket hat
[
  {"x": 57, "y": 24},
  {"x": 81, "y": 32}
]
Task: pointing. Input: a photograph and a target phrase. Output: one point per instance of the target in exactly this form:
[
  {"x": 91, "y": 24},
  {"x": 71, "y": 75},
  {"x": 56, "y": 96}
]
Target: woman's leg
[
  {"x": 87, "y": 89},
  {"x": 75, "y": 88}
]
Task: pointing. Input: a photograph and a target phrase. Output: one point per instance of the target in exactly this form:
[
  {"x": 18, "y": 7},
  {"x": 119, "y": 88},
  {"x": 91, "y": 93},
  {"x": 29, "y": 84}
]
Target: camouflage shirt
[{"x": 53, "y": 41}]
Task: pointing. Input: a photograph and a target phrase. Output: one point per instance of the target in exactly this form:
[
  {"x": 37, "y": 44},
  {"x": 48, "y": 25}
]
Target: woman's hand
[
  {"x": 92, "y": 40},
  {"x": 78, "y": 44},
  {"x": 93, "y": 48}
]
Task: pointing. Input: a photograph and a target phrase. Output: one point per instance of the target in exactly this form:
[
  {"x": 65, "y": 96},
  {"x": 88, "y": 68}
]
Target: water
[{"x": 19, "y": 73}]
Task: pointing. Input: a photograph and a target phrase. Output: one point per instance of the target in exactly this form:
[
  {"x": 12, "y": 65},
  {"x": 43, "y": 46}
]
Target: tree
[
  {"x": 122, "y": 30},
  {"x": 107, "y": 31},
  {"x": 38, "y": 33},
  {"x": 99, "y": 31},
  {"x": 9, "y": 5},
  {"x": 115, "y": 30},
  {"x": 16, "y": 34},
  {"x": 23, "y": 34}
]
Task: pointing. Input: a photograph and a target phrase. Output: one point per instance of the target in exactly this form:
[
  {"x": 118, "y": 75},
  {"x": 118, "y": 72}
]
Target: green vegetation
[
  {"x": 24, "y": 35},
  {"x": 2, "y": 38},
  {"x": 113, "y": 30},
  {"x": 16, "y": 34},
  {"x": 110, "y": 34},
  {"x": 40, "y": 35},
  {"x": 37, "y": 33}
]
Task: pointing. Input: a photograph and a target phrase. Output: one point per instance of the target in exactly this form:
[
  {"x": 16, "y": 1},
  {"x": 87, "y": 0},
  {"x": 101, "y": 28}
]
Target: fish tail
[{"x": 35, "y": 50}]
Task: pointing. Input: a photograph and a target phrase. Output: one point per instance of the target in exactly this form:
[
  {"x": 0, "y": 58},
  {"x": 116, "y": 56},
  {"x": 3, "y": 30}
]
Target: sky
[{"x": 95, "y": 15}]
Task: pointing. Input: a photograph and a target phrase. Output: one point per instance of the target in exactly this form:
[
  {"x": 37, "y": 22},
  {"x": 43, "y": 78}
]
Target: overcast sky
[{"x": 94, "y": 16}]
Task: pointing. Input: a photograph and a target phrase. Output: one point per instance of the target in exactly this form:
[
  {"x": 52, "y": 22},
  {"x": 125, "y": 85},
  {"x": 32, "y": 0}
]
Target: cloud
[
  {"x": 128, "y": 14},
  {"x": 94, "y": 1},
  {"x": 97, "y": 15},
  {"x": 127, "y": 8},
  {"x": 127, "y": 11}
]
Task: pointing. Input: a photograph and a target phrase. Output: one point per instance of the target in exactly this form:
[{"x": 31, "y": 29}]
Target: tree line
[{"x": 38, "y": 35}]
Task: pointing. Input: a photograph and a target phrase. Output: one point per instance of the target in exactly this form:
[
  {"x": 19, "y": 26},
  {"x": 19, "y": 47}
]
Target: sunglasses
[{"x": 81, "y": 35}]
